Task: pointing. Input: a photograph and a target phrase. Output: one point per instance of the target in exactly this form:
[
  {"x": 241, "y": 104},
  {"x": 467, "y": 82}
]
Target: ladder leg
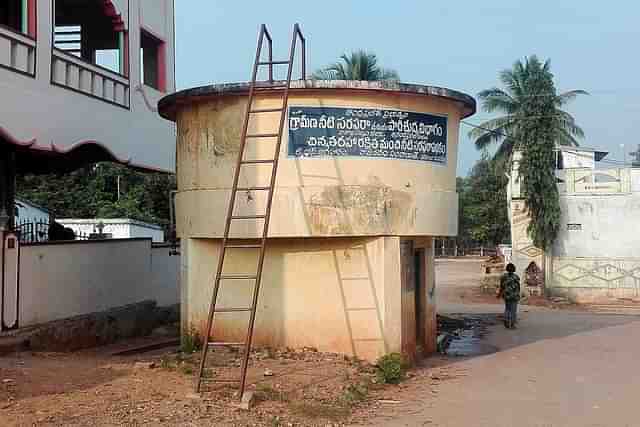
[
  {"x": 230, "y": 208},
  {"x": 207, "y": 332}
]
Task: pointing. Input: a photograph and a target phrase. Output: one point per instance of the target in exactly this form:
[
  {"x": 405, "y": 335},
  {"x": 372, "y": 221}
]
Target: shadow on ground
[{"x": 484, "y": 333}]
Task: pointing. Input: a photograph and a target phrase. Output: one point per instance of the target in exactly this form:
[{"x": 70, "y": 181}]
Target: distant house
[
  {"x": 29, "y": 212},
  {"x": 120, "y": 228},
  {"x": 596, "y": 255}
]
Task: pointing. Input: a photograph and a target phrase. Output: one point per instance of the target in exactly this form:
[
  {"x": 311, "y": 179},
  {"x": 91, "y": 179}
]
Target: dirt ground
[
  {"x": 304, "y": 388},
  {"x": 459, "y": 282},
  {"x": 96, "y": 389}
]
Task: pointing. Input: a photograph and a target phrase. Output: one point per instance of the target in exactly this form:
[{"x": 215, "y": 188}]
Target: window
[
  {"x": 11, "y": 14},
  {"x": 152, "y": 61},
  {"x": 15, "y": 14},
  {"x": 91, "y": 31}
]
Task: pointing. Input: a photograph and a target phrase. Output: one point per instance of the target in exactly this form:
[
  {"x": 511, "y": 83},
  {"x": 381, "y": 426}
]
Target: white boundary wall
[{"x": 62, "y": 280}]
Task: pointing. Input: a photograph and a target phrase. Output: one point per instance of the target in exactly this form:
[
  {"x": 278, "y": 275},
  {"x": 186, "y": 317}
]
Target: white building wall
[
  {"x": 599, "y": 225},
  {"x": 33, "y": 108},
  {"x": 596, "y": 257},
  {"x": 156, "y": 234},
  {"x": 30, "y": 213},
  {"x": 118, "y": 228}
]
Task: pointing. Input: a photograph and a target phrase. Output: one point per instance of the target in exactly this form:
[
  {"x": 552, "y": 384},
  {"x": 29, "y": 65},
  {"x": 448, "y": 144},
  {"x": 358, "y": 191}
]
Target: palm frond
[
  {"x": 500, "y": 126},
  {"x": 568, "y": 96},
  {"x": 567, "y": 122},
  {"x": 496, "y": 99},
  {"x": 357, "y": 65},
  {"x": 504, "y": 150},
  {"x": 390, "y": 75}
]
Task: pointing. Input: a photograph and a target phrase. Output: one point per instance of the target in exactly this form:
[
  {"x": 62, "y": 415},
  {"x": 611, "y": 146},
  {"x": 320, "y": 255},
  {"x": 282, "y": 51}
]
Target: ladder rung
[
  {"x": 226, "y": 344},
  {"x": 255, "y": 162},
  {"x": 249, "y": 217},
  {"x": 267, "y": 110},
  {"x": 234, "y": 310},
  {"x": 241, "y": 246},
  {"x": 253, "y": 188},
  {"x": 263, "y": 135},
  {"x": 237, "y": 277},
  {"x": 273, "y": 62},
  {"x": 361, "y": 309},
  {"x": 354, "y": 278}
]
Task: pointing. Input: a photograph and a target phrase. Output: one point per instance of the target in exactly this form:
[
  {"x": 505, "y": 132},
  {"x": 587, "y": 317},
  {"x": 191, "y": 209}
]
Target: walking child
[{"x": 510, "y": 292}]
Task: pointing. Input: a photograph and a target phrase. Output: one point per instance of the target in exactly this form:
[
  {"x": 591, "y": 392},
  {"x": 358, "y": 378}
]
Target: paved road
[{"x": 559, "y": 368}]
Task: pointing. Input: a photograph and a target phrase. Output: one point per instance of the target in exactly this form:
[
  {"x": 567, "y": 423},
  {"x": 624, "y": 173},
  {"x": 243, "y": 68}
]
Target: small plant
[
  {"x": 167, "y": 363},
  {"x": 391, "y": 368},
  {"x": 355, "y": 393},
  {"x": 186, "y": 369},
  {"x": 191, "y": 341}
]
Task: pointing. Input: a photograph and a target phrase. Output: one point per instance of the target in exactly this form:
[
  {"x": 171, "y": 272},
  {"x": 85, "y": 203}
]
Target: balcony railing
[
  {"x": 80, "y": 76},
  {"x": 17, "y": 52},
  {"x": 596, "y": 181}
]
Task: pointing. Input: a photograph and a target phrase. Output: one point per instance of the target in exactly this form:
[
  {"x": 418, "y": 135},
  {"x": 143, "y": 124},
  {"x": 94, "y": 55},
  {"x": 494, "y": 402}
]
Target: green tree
[
  {"x": 539, "y": 184},
  {"x": 534, "y": 124},
  {"x": 104, "y": 190},
  {"x": 520, "y": 91},
  {"x": 358, "y": 65},
  {"x": 482, "y": 208}
]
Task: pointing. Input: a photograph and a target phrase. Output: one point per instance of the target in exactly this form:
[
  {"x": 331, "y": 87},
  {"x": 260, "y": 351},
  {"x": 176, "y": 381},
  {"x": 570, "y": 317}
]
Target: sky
[{"x": 463, "y": 45}]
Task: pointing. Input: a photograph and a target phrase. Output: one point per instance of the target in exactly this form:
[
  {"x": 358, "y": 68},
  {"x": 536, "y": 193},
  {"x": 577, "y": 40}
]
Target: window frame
[
  {"x": 161, "y": 55},
  {"x": 125, "y": 67},
  {"x": 32, "y": 22}
]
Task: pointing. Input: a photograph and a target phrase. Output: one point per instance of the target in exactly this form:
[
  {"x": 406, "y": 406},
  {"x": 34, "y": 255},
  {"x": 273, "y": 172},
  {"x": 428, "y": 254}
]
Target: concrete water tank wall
[
  {"x": 344, "y": 232},
  {"x": 343, "y": 196}
]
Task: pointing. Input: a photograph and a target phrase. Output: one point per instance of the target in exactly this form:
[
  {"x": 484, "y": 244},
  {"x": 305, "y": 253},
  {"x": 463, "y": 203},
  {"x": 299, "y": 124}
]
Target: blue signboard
[{"x": 362, "y": 132}]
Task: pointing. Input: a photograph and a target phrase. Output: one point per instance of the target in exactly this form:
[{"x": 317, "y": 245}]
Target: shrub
[
  {"x": 191, "y": 341},
  {"x": 391, "y": 368}
]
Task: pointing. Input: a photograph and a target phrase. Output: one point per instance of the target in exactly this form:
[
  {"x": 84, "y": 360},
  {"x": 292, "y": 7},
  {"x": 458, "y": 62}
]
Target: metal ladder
[{"x": 229, "y": 243}]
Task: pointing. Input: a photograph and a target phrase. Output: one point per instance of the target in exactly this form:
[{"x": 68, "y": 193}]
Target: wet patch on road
[{"x": 463, "y": 335}]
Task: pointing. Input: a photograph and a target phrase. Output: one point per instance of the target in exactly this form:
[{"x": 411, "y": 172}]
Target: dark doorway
[
  {"x": 414, "y": 300},
  {"x": 408, "y": 299},
  {"x": 420, "y": 299}
]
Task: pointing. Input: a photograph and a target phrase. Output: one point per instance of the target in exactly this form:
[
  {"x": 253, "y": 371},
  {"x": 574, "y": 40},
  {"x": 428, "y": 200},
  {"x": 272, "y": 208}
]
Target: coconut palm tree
[
  {"x": 358, "y": 65},
  {"x": 522, "y": 89}
]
